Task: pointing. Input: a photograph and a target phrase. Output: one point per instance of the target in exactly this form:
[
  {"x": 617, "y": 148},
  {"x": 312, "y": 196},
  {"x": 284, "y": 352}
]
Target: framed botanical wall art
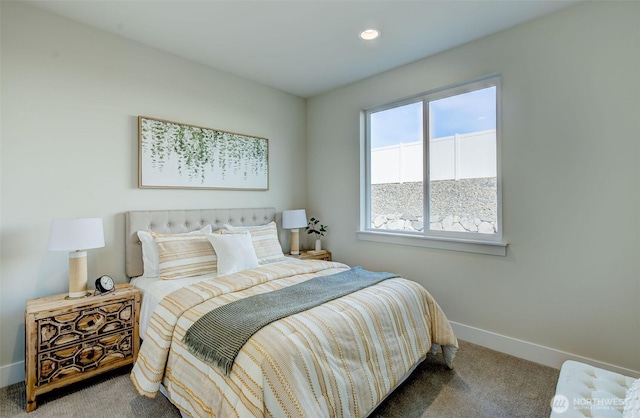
[{"x": 176, "y": 155}]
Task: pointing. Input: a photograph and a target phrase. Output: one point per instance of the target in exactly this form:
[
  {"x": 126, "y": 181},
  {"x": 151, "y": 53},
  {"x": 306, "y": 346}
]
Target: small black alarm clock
[{"x": 104, "y": 284}]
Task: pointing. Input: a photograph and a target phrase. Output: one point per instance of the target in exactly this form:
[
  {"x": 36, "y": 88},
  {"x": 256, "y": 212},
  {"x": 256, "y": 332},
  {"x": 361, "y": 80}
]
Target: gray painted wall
[
  {"x": 570, "y": 161},
  {"x": 70, "y": 100}
]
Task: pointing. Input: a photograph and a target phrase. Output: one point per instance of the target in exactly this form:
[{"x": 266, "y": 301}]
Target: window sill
[{"x": 453, "y": 244}]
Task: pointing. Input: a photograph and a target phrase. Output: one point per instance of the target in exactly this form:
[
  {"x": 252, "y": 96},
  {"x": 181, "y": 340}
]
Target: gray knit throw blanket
[{"x": 218, "y": 336}]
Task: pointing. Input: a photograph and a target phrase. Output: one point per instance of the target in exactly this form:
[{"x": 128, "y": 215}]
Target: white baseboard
[
  {"x": 11, "y": 373},
  {"x": 529, "y": 351}
]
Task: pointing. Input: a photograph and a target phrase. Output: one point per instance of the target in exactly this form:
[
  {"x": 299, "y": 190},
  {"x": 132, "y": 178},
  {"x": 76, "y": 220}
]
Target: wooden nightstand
[
  {"x": 68, "y": 340},
  {"x": 304, "y": 255}
]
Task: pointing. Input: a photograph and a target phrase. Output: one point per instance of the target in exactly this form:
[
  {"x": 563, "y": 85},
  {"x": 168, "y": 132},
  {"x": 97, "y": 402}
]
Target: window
[{"x": 432, "y": 173}]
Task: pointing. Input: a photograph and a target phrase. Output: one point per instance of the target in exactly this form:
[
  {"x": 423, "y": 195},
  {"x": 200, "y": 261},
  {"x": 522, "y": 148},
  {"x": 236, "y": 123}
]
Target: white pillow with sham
[
  {"x": 265, "y": 241},
  {"x": 150, "y": 259},
  {"x": 632, "y": 401},
  {"x": 235, "y": 252}
]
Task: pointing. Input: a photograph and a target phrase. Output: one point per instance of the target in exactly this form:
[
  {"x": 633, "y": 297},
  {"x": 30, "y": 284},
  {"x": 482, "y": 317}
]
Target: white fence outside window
[{"x": 460, "y": 156}]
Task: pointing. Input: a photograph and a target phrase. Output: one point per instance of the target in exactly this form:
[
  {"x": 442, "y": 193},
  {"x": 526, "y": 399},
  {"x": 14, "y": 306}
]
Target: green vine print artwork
[{"x": 178, "y": 155}]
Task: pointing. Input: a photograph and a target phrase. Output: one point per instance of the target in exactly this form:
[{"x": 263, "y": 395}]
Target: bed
[{"x": 339, "y": 358}]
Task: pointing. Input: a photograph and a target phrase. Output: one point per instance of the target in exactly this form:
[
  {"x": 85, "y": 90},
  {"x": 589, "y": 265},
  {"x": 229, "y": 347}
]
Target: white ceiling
[{"x": 304, "y": 47}]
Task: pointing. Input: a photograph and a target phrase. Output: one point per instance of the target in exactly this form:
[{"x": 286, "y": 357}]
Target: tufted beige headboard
[{"x": 178, "y": 221}]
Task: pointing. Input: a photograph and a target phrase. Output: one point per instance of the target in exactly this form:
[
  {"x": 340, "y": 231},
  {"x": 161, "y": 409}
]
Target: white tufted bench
[{"x": 587, "y": 391}]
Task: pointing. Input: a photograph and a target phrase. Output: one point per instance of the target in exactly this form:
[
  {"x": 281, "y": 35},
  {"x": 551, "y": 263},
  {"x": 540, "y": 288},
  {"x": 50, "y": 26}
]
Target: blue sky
[{"x": 464, "y": 113}]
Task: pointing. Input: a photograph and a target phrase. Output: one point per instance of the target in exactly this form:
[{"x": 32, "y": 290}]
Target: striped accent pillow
[
  {"x": 265, "y": 241},
  {"x": 184, "y": 255},
  {"x": 150, "y": 262}
]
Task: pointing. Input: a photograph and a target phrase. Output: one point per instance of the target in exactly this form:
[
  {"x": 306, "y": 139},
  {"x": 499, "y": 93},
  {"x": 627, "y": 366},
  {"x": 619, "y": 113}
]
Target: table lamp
[
  {"x": 293, "y": 220},
  {"x": 76, "y": 235}
]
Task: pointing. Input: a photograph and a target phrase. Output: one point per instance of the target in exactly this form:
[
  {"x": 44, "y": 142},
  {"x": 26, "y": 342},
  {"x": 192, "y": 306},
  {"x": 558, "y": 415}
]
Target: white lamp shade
[
  {"x": 76, "y": 234},
  {"x": 292, "y": 219}
]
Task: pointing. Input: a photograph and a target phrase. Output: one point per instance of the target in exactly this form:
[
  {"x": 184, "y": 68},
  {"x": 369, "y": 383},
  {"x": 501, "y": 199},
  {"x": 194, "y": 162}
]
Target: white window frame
[{"x": 492, "y": 244}]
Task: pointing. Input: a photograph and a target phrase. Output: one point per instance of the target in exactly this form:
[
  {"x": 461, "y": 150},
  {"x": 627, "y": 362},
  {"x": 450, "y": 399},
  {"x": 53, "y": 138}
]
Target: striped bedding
[{"x": 337, "y": 359}]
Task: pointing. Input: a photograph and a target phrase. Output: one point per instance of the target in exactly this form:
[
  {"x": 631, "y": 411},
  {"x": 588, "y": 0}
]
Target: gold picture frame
[{"x": 182, "y": 156}]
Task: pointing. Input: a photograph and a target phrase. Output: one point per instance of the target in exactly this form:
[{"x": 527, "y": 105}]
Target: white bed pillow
[
  {"x": 150, "y": 261},
  {"x": 235, "y": 252},
  {"x": 632, "y": 401},
  {"x": 265, "y": 241},
  {"x": 184, "y": 255}
]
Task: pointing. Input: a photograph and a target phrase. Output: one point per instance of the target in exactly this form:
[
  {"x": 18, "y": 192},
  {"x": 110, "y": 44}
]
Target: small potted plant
[{"x": 315, "y": 227}]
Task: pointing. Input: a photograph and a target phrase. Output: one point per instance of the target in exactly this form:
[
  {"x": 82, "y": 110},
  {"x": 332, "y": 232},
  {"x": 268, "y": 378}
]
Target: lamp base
[
  {"x": 77, "y": 274},
  {"x": 295, "y": 241}
]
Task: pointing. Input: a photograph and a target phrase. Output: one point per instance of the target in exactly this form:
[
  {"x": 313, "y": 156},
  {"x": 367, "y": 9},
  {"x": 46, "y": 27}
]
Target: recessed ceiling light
[{"x": 369, "y": 34}]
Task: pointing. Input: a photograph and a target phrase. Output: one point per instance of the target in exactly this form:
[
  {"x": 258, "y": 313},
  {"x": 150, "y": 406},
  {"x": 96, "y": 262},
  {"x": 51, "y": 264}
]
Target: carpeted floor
[{"x": 484, "y": 383}]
